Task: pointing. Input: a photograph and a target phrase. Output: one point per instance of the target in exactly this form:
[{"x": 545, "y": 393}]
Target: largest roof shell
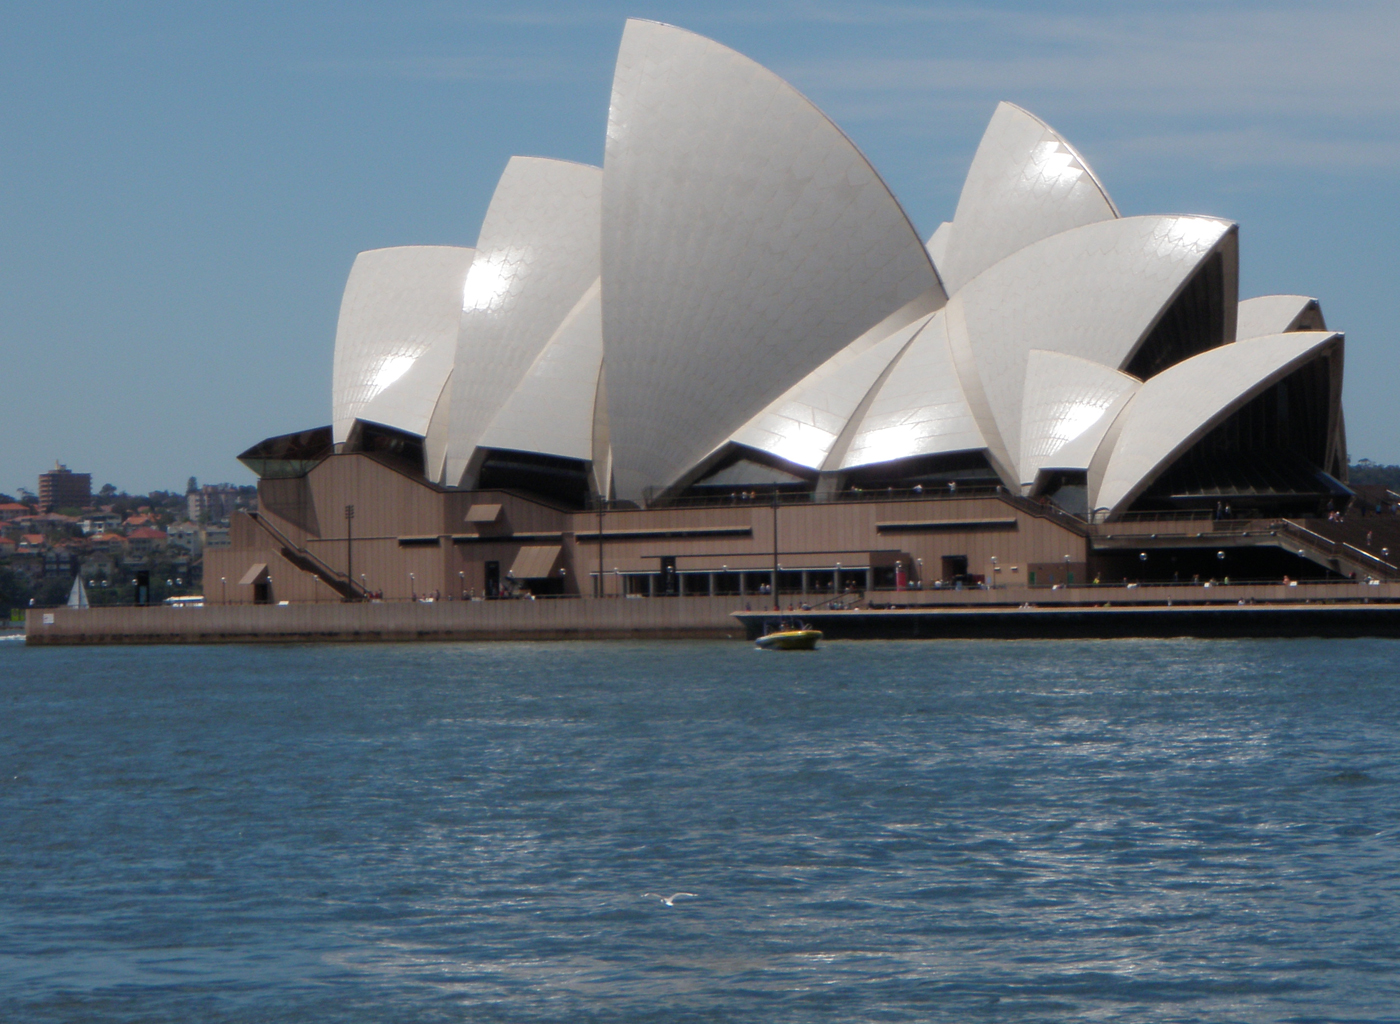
[{"x": 745, "y": 241}]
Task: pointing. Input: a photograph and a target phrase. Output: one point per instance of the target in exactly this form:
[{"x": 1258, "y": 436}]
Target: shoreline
[{"x": 1006, "y": 613}]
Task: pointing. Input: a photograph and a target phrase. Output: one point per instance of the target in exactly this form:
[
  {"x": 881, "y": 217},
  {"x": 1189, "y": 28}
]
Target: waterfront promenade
[{"x": 1317, "y": 609}]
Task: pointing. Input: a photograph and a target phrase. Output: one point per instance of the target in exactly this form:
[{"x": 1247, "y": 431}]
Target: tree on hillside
[{"x": 1367, "y": 473}]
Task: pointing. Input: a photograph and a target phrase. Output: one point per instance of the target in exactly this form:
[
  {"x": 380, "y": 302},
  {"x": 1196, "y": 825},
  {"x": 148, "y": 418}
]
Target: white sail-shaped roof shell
[
  {"x": 1278, "y": 314},
  {"x": 803, "y": 426},
  {"x": 1094, "y": 292},
  {"x": 937, "y": 244},
  {"x": 550, "y": 412},
  {"x": 919, "y": 409},
  {"x": 1025, "y": 183},
  {"x": 1178, "y": 406},
  {"x": 745, "y": 242},
  {"x": 397, "y": 336},
  {"x": 1067, "y": 410},
  {"x": 536, "y": 256}
]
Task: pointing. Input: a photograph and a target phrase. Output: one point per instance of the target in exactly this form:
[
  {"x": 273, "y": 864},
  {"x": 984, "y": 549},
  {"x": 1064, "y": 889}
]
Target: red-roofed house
[
  {"x": 145, "y": 541},
  {"x": 106, "y": 543},
  {"x": 31, "y": 542},
  {"x": 11, "y": 510}
]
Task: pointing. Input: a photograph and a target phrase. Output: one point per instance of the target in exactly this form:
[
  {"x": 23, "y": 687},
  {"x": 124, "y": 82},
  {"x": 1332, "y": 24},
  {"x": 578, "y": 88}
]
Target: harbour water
[{"x": 1009, "y": 831}]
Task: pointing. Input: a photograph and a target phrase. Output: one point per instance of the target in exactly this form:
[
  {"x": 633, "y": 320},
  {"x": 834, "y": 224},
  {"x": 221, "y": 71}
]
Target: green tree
[{"x": 15, "y": 589}]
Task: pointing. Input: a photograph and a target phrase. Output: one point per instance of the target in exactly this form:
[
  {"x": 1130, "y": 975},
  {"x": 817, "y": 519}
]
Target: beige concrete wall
[
  {"x": 390, "y": 505},
  {"x": 613, "y": 618}
]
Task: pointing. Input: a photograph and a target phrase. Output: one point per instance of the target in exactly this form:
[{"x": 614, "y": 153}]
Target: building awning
[
  {"x": 254, "y": 573},
  {"x": 534, "y": 562},
  {"x": 483, "y": 513}
]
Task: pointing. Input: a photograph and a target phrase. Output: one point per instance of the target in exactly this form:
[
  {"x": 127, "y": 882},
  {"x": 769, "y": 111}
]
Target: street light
[{"x": 412, "y": 587}]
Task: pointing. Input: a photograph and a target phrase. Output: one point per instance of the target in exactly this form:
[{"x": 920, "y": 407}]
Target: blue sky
[{"x": 184, "y": 187}]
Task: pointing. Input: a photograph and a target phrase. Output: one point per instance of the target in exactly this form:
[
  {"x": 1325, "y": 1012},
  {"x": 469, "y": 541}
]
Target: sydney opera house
[{"x": 726, "y": 360}]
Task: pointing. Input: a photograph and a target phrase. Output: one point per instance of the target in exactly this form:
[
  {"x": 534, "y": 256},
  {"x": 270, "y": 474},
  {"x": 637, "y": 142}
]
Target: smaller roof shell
[
  {"x": 536, "y": 256},
  {"x": 397, "y": 336},
  {"x": 803, "y": 426},
  {"x": 1067, "y": 409},
  {"x": 919, "y": 408},
  {"x": 1025, "y": 183},
  {"x": 1174, "y": 409},
  {"x": 550, "y": 412},
  {"x": 1095, "y": 292},
  {"x": 1278, "y": 314}
]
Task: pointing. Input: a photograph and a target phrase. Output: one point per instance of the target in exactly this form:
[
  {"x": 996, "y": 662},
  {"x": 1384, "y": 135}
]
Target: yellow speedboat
[{"x": 789, "y": 639}]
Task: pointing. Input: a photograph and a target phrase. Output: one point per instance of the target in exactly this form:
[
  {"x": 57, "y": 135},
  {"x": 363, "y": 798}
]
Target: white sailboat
[{"x": 77, "y": 597}]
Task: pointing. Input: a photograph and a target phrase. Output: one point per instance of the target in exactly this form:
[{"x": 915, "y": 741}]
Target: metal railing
[{"x": 338, "y": 581}]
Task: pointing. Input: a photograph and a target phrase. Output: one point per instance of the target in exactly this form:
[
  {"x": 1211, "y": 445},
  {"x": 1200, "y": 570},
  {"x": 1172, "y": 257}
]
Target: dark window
[
  {"x": 562, "y": 481},
  {"x": 1192, "y": 324}
]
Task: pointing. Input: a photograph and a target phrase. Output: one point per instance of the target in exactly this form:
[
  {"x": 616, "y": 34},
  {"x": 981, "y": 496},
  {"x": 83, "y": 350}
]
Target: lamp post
[
  {"x": 349, "y": 551},
  {"x": 600, "y": 547},
  {"x": 462, "y": 583},
  {"x": 992, "y": 576},
  {"x": 412, "y": 587},
  {"x": 777, "y": 605},
  {"x": 223, "y": 583}
]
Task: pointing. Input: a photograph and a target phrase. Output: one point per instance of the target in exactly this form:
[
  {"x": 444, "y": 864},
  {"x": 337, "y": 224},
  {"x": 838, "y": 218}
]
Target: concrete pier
[
  {"x": 577, "y": 619},
  {"x": 1094, "y": 622}
]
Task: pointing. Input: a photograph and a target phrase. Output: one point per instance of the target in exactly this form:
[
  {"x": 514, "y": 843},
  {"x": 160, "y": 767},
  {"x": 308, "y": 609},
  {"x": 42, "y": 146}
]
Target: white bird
[{"x": 670, "y": 900}]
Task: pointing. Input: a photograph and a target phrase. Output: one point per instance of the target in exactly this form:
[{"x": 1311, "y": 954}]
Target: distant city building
[
  {"x": 12, "y": 510},
  {"x": 62, "y": 488},
  {"x": 106, "y": 543},
  {"x": 214, "y": 503},
  {"x": 185, "y": 537},
  {"x": 99, "y": 522},
  {"x": 60, "y": 563}
]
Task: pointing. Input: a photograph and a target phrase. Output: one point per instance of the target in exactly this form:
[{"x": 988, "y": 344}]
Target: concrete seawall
[
  {"x": 607, "y": 619},
  {"x": 1258, "y": 610},
  {"x": 1099, "y": 623}
]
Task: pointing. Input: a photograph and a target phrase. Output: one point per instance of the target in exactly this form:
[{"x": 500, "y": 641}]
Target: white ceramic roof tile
[
  {"x": 920, "y": 409},
  {"x": 1025, "y": 183},
  {"x": 937, "y": 244},
  {"x": 745, "y": 242},
  {"x": 1178, "y": 406},
  {"x": 1271, "y": 314},
  {"x": 804, "y": 425},
  {"x": 397, "y": 335},
  {"x": 1066, "y": 410},
  {"x": 537, "y": 254},
  {"x": 1094, "y": 292},
  {"x": 551, "y": 409}
]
